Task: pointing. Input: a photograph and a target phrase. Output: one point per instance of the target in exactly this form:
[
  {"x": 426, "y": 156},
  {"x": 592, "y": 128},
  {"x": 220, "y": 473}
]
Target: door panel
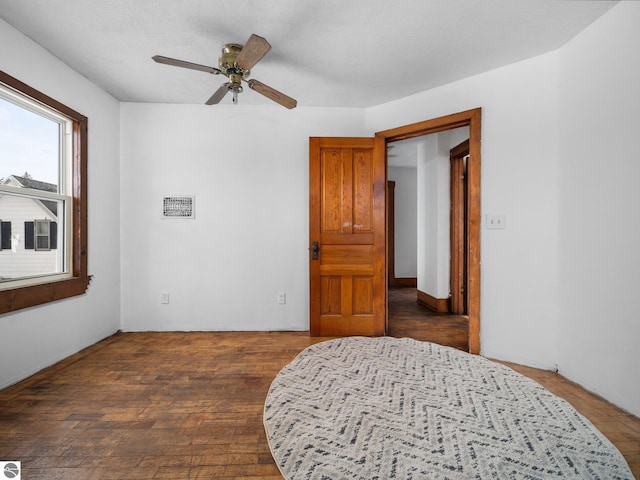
[
  {"x": 346, "y": 218},
  {"x": 363, "y": 191},
  {"x": 362, "y": 286},
  {"x": 330, "y": 295},
  {"x": 346, "y": 255}
]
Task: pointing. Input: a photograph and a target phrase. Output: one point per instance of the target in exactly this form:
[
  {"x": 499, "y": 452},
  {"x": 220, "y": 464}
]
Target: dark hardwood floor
[
  {"x": 408, "y": 318},
  {"x": 185, "y": 406}
]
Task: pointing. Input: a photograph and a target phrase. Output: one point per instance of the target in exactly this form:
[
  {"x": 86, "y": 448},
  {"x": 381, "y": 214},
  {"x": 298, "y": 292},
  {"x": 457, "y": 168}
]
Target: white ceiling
[{"x": 335, "y": 53}]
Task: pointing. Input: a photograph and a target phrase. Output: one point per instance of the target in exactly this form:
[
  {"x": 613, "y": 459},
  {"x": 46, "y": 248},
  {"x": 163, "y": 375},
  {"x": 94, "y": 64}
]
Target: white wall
[
  {"x": 600, "y": 207},
  {"x": 434, "y": 211},
  {"x": 37, "y": 337},
  {"x": 429, "y": 195},
  {"x": 519, "y": 312},
  {"x": 248, "y": 168},
  {"x": 405, "y": 216}
]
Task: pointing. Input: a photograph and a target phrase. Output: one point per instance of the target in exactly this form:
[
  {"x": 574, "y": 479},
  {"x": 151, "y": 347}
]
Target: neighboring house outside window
[
  {"x": 33, "y": 225},
  {"x": 43, "y": 213}
]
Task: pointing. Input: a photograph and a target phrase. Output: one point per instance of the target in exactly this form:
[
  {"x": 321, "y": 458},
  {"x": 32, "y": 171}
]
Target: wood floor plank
[
  {"x": 187, "y": 405},
  {"x": 408, "y": 318}
]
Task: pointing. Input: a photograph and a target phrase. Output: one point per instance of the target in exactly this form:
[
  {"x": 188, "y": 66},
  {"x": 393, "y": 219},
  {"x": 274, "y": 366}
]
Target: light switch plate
[{"x": 496, "y": 221}]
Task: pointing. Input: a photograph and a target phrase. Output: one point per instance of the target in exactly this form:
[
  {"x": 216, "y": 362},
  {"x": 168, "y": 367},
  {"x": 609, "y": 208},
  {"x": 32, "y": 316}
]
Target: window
[
  {"x": 41, "y": 235},
  {"x": 43, "y": 232}
]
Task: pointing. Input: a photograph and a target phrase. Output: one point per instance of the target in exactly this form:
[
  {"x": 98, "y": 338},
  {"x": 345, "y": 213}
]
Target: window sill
[{"x": 22, "y": 297}]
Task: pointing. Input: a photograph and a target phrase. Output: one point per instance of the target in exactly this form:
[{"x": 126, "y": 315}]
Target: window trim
[{"x": 17, "y": 298}]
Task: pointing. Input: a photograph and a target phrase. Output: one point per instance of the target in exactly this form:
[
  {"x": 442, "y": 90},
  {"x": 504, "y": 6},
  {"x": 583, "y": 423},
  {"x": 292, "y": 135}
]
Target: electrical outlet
[
  {"x": 282, "y": 298},
  {"x": 164, "y": 297}
]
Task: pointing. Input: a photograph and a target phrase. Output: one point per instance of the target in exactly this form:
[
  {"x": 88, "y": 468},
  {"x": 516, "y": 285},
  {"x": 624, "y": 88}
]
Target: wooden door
[
  {"x": 458, "y": 229},
  {"x": 347, "y": 236}
]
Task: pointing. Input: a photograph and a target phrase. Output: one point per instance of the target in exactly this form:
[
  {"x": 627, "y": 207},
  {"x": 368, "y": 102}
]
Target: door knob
[{"x": 315, "y": 248}]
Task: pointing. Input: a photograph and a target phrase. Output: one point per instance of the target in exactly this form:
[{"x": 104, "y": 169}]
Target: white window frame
[{"x": 65, "y": 216}]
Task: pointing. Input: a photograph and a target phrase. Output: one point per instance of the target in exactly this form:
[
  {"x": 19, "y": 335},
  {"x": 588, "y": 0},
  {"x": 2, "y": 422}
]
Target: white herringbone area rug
[{"x": 378, "y": 408}]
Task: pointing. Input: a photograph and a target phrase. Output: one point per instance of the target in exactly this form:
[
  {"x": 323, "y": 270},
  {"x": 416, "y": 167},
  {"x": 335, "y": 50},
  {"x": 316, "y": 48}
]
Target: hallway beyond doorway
[{"x": 408, "y": 318}]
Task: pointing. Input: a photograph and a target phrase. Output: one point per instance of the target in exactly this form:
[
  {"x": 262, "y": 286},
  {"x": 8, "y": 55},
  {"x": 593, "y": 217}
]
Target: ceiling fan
[{"x": 235, "y": 63}]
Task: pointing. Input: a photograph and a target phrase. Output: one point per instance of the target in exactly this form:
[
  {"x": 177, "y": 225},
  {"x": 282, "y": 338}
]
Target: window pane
[
  {"x": 29, "y": 145},
  {"x": 42, "y": 228},
  {"x": 42, "y": 243},
  {"x": 30, "y": 159}
]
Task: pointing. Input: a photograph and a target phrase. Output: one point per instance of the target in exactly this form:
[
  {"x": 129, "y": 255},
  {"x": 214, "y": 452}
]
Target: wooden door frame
[
  {"x": 391, "y": 240},
  {"x": 472, "y": 119},
  {"x": 457, "y": 229}
]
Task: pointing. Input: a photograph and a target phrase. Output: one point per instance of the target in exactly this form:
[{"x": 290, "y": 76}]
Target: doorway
[
  {"x": 471, "y": 265},
  {"x": 347, "y": 229},
  {"x": 427, "y": 298}
]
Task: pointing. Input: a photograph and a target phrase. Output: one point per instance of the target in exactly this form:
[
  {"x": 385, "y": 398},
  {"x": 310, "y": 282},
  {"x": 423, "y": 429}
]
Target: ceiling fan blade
[
  {"x": 219, "y": 94},
  {"x": 183, "y": 64},
  {"x": 253, "y": 51},
  {"x": 272, "y": 94}
]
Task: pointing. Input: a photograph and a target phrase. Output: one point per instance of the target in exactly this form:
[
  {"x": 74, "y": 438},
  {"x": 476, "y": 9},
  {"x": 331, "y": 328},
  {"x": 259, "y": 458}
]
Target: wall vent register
[{"x": 178, "y": 207}]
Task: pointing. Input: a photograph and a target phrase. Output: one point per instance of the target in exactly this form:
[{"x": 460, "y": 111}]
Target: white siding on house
[{"x": 18, "y": 261}]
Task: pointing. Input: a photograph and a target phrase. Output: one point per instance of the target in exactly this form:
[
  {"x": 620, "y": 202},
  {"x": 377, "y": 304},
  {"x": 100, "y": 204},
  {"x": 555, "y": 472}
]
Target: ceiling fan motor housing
[{"x": 227, "y": 63}]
